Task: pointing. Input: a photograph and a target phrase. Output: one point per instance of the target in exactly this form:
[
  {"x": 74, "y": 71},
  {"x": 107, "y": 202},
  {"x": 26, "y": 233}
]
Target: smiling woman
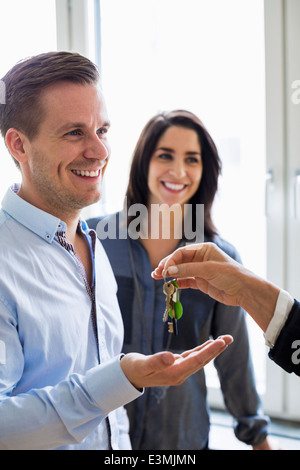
[
  {"x": 175, "y": 169},
  {"x": 223, "y": 81},
  {"x": 176, "y": 163}
]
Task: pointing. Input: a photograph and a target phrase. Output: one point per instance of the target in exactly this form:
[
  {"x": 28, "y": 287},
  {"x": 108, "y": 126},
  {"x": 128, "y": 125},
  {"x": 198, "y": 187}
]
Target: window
[
  {"x": 27, "y": 28},
  {"x": 208, "y": 57}
]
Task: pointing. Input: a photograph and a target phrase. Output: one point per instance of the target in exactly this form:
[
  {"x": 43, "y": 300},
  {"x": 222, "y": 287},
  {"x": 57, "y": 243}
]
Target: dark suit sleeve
[{"x": 286, "y": 351}]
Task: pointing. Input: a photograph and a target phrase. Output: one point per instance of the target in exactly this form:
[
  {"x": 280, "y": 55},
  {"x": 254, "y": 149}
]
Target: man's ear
[{"x": 15, "y": 141}]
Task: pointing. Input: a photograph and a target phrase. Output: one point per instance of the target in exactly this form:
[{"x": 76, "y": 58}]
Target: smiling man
[
  {"x": 63, "y": 381},
  {"x": 63, "y": 164}
]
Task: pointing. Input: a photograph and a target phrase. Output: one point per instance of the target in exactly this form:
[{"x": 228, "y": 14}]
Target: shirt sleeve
[
  {"x": 283, "y": 307},
  {"x": 51, "y": 417},
  {"x": 123, "y": 425},
  {"x": 54, "y": 416}
]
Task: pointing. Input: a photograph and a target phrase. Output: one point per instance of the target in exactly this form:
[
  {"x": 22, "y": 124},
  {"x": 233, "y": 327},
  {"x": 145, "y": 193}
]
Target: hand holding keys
[{"x": 173, "y": 306}]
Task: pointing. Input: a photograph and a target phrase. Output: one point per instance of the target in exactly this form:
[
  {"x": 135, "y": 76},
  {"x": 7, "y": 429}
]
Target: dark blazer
[{"x": 286, "y": 351}]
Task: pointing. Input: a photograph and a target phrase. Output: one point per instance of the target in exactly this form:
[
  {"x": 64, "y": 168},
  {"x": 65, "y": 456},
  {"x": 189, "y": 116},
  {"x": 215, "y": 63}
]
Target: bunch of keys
[{"x": 173, "y": 305}]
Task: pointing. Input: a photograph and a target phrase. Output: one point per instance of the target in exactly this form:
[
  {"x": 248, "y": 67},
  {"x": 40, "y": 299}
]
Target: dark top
[{"x": 178, "y": 417}]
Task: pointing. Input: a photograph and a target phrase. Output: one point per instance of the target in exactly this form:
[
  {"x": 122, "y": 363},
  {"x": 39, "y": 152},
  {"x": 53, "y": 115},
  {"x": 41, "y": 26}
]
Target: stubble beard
[{"x": 57, "y": 200}]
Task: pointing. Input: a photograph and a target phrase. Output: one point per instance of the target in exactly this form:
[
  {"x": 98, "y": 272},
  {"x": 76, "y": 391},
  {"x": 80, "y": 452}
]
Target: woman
[{"x": 176, "y": 164}]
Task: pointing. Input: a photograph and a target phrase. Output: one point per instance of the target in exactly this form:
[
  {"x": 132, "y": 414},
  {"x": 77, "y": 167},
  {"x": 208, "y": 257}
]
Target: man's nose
[{"x": 97, "y": 148}]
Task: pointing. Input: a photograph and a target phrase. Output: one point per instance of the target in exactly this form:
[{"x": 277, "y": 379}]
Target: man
[
  {"x": 63, "y": 382},
  {"x": 206, "y": 267}
]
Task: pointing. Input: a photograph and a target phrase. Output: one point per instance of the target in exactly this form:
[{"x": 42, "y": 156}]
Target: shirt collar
[{"x": 43, "y": 224}]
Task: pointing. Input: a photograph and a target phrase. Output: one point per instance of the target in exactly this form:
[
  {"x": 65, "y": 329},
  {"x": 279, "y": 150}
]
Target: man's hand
[{"x": 166, "y": 368}]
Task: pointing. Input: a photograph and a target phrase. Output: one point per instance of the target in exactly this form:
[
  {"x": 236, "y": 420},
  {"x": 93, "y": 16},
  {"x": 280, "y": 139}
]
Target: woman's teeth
[
  {"x": 91, "y": 174},
  {"x": 174, "y": 186}
]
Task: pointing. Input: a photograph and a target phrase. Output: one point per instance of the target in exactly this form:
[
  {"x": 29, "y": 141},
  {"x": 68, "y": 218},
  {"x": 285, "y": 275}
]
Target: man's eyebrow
[
  {"x": 106, "y": 124},
  {"x": 78, "y": 125}
]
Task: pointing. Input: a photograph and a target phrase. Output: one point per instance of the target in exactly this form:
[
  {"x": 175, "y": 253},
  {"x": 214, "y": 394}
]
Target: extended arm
[
  {"x": 65, "y": 413},
  {"x": 166, "y": 368},
  {"x": 206, "y": 267}
]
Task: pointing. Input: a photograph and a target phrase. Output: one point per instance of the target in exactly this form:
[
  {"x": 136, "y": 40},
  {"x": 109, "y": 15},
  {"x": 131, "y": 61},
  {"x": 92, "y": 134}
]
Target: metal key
[
  {"x": 172, "y": 326},
  {"x": 169, "y": 290}
]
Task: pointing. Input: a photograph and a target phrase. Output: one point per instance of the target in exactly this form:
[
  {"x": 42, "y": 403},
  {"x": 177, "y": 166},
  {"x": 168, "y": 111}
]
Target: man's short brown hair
[{"x": 24, "y": 83}]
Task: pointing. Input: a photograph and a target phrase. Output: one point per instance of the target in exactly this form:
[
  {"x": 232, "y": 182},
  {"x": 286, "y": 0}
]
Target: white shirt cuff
[
  {"x": 283, "y": 307},
  {"x": 109, "y": 387}
]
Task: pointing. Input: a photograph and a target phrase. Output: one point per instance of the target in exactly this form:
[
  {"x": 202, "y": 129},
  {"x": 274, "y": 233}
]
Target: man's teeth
[
  {"x": 173, "y": 186},
  {"x": 91, "y": 174}
]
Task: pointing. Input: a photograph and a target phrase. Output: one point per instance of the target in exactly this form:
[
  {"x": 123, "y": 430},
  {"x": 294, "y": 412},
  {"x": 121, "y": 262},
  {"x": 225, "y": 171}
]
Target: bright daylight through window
[
  {"x": 210, "y": 61},
  {"x": 33, "y": 32},
  {"x": 164, "y": 61}
]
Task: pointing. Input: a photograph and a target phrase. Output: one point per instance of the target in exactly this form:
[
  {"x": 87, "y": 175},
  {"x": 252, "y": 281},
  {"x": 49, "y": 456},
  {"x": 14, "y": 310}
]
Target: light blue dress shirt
[{"x": 53, "y": 392}]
